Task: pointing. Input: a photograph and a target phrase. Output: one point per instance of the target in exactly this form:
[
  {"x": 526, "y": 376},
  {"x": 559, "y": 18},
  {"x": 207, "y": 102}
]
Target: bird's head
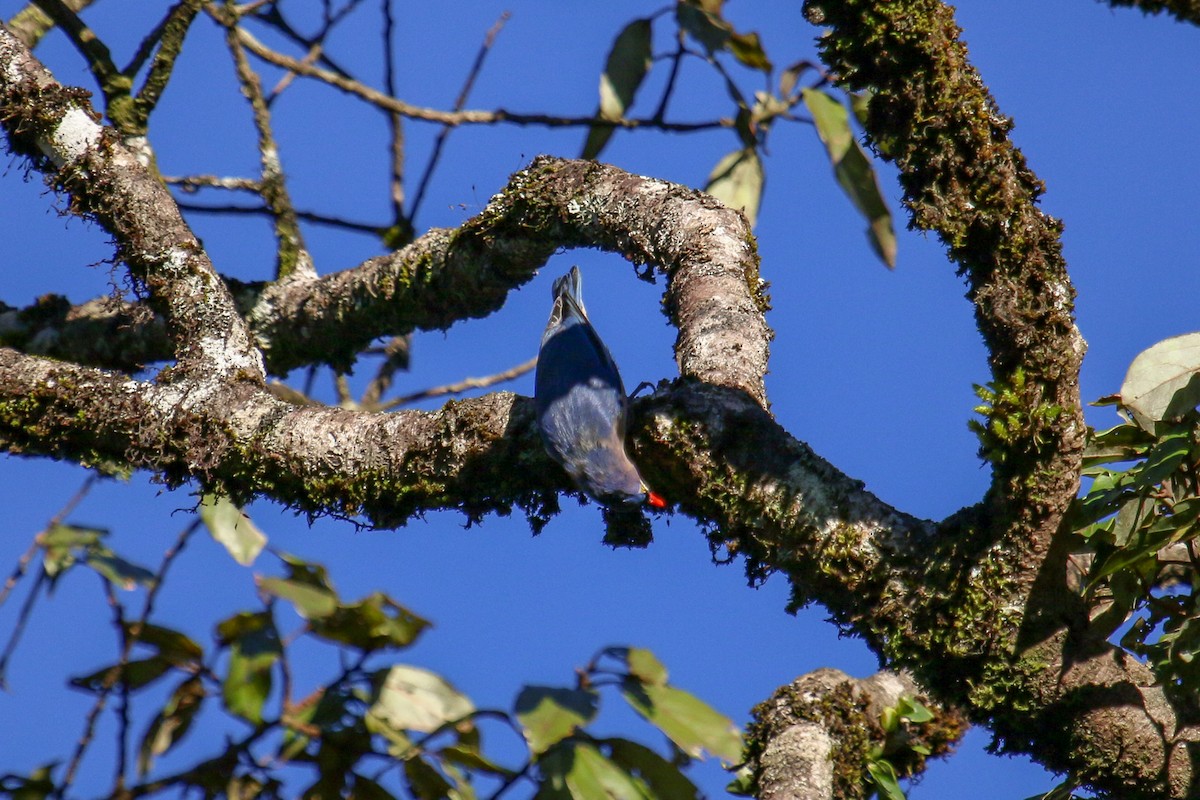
[{"x": 610, "y": 477}]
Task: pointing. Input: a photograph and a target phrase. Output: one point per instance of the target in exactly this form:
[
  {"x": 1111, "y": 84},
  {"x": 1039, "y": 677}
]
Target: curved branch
[
  {"x": 1075, "y": 703},
  {"x": 715, "y": 297}
]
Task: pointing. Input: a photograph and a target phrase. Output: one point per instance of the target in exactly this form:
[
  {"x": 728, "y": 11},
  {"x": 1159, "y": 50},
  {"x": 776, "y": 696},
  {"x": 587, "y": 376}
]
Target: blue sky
[{"x": 873, "y": 368}]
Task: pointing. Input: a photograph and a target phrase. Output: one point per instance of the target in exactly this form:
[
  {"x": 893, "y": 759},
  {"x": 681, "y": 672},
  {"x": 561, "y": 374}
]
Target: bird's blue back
[{"x": 580, "y": 399}]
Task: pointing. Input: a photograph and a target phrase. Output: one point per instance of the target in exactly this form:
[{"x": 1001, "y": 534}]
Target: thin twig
[
  {"x": 190, "y": 183},
  {"x": 169, "y": 35},
  {"x": 466, "y": 116},
  {"x": 676, "y": 58},
  {"x": 18, "y": 573},
  {"x": 129, "y": 638},
  {"x": 89, "y": 45},
  {"x": 395, "y": 121},
  {"x": 107, "y": 684},
  {"x": 316, "y": 45},
  {"x": 18, "y": 628},
  {"x": 462, "y": 386},
  {"x": 274, "y": 17},
  {"x": 306, "y": 216},
  {"x": 59, "y": 516},
  {"x": 395, "y": 357},
  {"x": 293, "y": 256},
  {"x": 30, "y": 24},
  {"x": 342, "y": 387},
  {"x": 460, "y": 102},
  {"x": 23, "y": 564}
]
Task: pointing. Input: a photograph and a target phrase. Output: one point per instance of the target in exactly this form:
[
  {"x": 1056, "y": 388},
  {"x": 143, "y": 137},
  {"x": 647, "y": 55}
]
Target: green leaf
[
  {"x": 38, "y": 786},
  {"x": 469, "y": 756},
  {"x": 177, "y": 648},
  {"x": 913, "y": 710},
  {"x": 308, "y": 573},
  {"x": 424, "y": 781},
  {"x": 230, "y": 526},
  {"x": 790, "y": 76},
  {"x": 1132, "y": 516},
  {"x": 1123, "y": 442},
  {"x": 254, "y": 648},
  {"x": 645, "y": 666},
  {"x": 640, "y": 662},
  {"x": 411, "y": 698},
  {"x": 311, "y": 602},
  {"x": 883, "y": 774},
  {"x": 550, "y": 714},
  {"x": 704, "y": 24},
  {"x": 1162, "y": 382},
  {"x": 170, "y": 725},
  {"x": 134, "y": 675},
  {"x": 853, "y": 170},
  {"x": 743, "y": 783},
  {"x": 374, "y": 623},
  {"x": 577, "y": 770},
  {"x": 693, "y": 725},
  {"x": 627, "y": 65},
  {"x": 747, "y": 48},
  {"x": 60, "y": 542},
  {"x": 737, "y": 181},
  {"x": 1139, "y": 554},
  {"x": 860, "y": 103},
  {"x": 116, "y": 569},
  {"x": 1163, "y": 459},
  {"x": 664, "y": 778}
]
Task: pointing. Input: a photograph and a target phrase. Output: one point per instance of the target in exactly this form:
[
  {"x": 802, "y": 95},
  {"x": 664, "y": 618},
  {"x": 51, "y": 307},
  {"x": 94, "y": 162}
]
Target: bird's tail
[{"x": 571, "y": 286}]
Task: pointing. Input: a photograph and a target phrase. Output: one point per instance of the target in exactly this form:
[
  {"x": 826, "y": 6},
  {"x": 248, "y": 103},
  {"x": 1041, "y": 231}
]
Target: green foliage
[
  {"x": 853, "y": 169},
  {"x": 1140, "y": 518},
  {"x": 739, "y": 178},
  {"x": 628, "y": 62},
  {"x": 1013, "y": 419},
  {"x": 882, "y": 759},
  {"x": 1163, "y": 382},
  {"x": 376, "y": 728}
]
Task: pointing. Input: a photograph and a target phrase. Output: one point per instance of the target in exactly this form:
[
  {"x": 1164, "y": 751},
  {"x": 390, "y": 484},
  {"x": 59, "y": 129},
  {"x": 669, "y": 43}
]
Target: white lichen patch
[{"x": 76, "y": 134}]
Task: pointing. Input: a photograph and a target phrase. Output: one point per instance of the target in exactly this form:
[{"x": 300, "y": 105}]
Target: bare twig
[
  {"x": 306, "y": 216},
  {"x": 395, "y": 121},
  {"x": 19, "y": 627},
  {"x": 23, "y": 564},
  {"x": 190, "y": 183},
  {"x": 462, "y": 386},
  {"x": 169, "y": 35},
  {"x": 27, "y": 556},
  {"x": 466, "y": 116},
  {"x": 130, "y": 636},
  {"x": 459, "y": 103},
  {"x": 669, "y": 89},
  {"x": 108, "y": 684},
  {"x": 94, "y": 51},
  {"x": 30, "y": 24},
  {"x": 293, "y": 255}
]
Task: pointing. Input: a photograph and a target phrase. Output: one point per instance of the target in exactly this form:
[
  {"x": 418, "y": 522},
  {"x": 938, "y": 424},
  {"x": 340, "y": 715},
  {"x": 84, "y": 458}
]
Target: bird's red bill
[{"x": 655, "y": 500}]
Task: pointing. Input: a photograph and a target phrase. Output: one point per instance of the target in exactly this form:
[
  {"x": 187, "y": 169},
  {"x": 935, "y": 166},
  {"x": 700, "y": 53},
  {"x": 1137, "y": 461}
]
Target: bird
[{"x": 582, "y": 406}]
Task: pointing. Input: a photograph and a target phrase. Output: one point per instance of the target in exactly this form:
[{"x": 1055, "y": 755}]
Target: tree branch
[
  {"x": 56, "y": 128},
  {"x": 1077, "y": 704},
  {"x": 454, "y": 118}
]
